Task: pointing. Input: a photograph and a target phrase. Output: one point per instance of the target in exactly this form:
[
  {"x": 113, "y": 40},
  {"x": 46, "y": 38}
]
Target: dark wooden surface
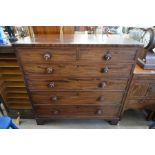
[
  {"x": 77, "y": 76},
  {"x": 78, "y": 97},
  {"x": 59, "y": 83},
  {"x": 71, "y": 54},
  {"x": 77, "y": 39},
  {"x": 76, "y": 111},
  {"x": 96, "y": 70}
]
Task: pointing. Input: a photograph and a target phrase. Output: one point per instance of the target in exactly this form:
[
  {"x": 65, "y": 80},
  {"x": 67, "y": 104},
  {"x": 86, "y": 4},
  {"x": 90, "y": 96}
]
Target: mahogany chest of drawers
[
  {"x": 77, "y": 76},
  {"x": 141, "y": 94}
]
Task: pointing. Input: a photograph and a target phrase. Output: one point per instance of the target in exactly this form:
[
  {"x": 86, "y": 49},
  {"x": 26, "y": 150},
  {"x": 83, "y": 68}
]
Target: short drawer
[
  {"x": 81, "y": 111},
  {"x": 47, "y": 55},
  {"x": 58, "y": 84},
  {"x": 107, "y": 54},
  {"x": 142, "y": 89},
  {"x": 140, "y": 104},
  {"x": 77, "y": 98},
  {"x": 82, "y": 70}
]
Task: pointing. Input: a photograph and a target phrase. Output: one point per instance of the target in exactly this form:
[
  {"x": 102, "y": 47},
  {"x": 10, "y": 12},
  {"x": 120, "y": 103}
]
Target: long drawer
[
  {"x": 47, "y": 83},
  {"x": 82, "y": 111},
  {"x": 77, "y": 69},
  {"x": 79, "y": 98},
  {"x": 65, "y": 54}
]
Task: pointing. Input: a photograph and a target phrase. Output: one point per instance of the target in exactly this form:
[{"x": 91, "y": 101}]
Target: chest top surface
[
  {"x": 138, "y": 70},
  {"x": 77, "y": 39}
]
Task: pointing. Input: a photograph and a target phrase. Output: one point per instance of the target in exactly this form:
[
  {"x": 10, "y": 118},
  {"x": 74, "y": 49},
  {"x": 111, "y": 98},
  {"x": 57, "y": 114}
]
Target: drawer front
[
  {"x": 82, "y": 70},
  {"x": 58, "y": 111},
  {"x": 151, "y": 90},
  {"x": 140, "y": 104},
  {"x": 142, "y": 89},
  {"x": 80, "y": 98},
  {"x": 47, "y": 55},
  {"x": 59, "y": 84},
  {"x": 107, "y": 54}
]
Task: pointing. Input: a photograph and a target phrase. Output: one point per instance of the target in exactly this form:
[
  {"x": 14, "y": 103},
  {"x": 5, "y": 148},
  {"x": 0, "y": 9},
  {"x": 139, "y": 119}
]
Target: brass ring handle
[
  {"x": 51, "y": 84},
  {"x": 47, "y": 56},
  {"x": 142, "y": 101},
  {"x": 107, "y": 56},
  {"x": 49, "y": 70}
]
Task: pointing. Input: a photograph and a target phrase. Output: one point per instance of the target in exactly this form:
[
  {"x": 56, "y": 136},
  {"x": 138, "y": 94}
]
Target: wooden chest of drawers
[
  {"x": 77, "y": 76},
  {"x": 141, "y": 94}
]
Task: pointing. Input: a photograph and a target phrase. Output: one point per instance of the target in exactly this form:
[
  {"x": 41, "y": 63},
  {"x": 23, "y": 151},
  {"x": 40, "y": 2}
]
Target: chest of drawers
[
  {"x": 141, "y": 94},
  {"x": 77, "y": 76}
]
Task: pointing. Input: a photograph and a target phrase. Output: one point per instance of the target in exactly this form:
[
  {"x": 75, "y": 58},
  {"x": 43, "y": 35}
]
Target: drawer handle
[
  {"x": 101, "y": 98},
  {"x": 51, "y": 84},
  {"x": 49, "y": 70},
  {"x": 107, "y": 56},
  {"x": 103, "y": 84},
  {"x": 54, "y": 98},
  {"x": 56, "y": 112},
  {"x": 142, "y": 101},
  {"x": 47, "y": 56},
  {"x": 105, "y": 70},
  {"x": 99, "y": 112}
]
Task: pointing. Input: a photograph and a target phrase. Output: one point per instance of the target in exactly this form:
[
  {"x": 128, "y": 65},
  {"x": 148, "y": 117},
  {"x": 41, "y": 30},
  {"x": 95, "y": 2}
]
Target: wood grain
[
  {"x": 140, "y": 104},
  {"x": 56, "y": 55},
  {"x": 118, "y": 54},
  {"x": 42, "y": 84},
  {"x": 80, "y": 98},
  {"x": 82, "y": 111},
  {"x": 78, "y": 69}
]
